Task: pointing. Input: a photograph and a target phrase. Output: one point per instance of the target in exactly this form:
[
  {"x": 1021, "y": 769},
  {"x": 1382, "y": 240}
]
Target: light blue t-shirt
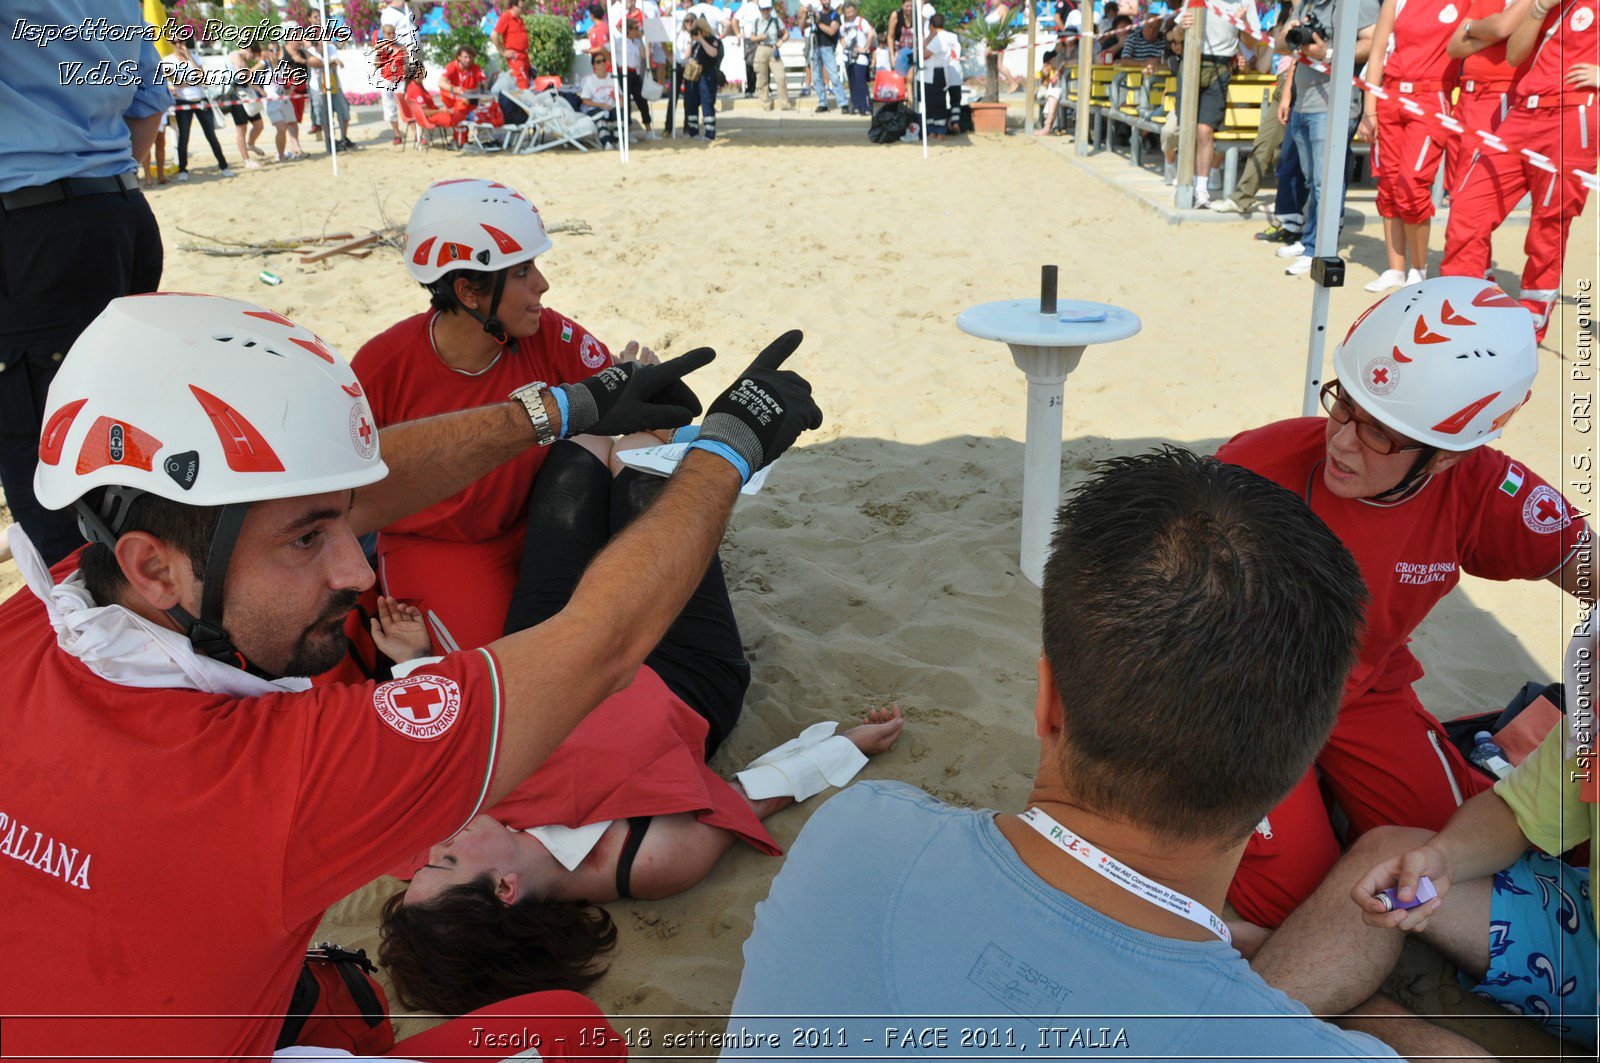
[
  {"x": 920, "y": 920},
  {"x": 62, "y": 103}
]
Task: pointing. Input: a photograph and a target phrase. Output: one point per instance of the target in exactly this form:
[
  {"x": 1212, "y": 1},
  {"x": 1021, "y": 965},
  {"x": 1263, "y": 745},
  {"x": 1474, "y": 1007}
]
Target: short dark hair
[
  {"x": 466, "y": 949},
  {"x": 189, "y": 528},
  {"x": 442, "y": 291},
  {"x": 1199, "y": 621}
]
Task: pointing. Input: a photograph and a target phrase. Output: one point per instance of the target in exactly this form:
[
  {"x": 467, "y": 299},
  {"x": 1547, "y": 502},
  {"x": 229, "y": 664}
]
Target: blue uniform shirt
[{"x": 63, "y": 102}]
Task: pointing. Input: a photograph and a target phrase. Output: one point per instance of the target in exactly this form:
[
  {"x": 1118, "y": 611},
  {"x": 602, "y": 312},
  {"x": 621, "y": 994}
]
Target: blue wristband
[
  {"x": 561, "y": 405},
  {"x": 722, "y": 450},
  {"x": 687, "y": 434}
]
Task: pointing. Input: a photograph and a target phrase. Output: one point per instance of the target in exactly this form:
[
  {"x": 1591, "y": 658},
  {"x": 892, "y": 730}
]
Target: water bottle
[{"x": 1488, "y": 756}]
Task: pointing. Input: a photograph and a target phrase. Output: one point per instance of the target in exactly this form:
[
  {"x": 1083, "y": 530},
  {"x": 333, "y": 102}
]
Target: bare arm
[
  {"x": 1378, "y": 50},
  {"x": 556, "y": 672},
  {"x": 1519, "y": 43},
  {"x": 678, "y": 851},
  {"x": 142, "y": 133}
]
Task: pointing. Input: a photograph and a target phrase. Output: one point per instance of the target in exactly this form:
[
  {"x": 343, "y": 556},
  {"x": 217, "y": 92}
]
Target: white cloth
[
  {"x": 854, "y": 35},
  {"x": 405, "y": 30},
  {"x": 803, "y": 766},
  {"x": 1222, "y": 36},
  {"x": 186, "y": 90},
  {"x": 122, "y": 647},
  {"x": 569, "y": 845},
  {"x": 944, "y": 53},
  {"x": 328, "y": 50},
  {"x": 746, "y": 17}
]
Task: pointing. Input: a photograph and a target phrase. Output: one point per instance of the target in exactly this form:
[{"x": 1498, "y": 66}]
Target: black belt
[
  {"x": 68, "y": 188},
  {"x": 1224, "y": 60}
]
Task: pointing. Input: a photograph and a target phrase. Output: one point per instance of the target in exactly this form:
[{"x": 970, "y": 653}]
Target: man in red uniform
[
  {"x": 472, "y": 243},
  {"x": 1552, "y": 113},
  {"x": 1486, "y": 78},
  {"x": 221, "y": 460},
  {"x": 461, "y": 76},
  {"x": 511, "y": 40},
  {"x": 1408, "y": 59},
  {"x": 1400, "y": 472}
]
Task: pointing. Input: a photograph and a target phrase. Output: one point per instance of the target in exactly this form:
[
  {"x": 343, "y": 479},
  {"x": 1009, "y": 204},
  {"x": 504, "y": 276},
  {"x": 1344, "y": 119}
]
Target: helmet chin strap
[
  {"x": 105, "y": 524},
  {"x": 1411, "y": 480},
  {"x": 490, "y": 322}
]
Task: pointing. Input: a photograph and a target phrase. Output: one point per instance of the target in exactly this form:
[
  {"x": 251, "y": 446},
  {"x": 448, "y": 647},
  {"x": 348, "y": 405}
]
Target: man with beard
[{"x": 170, "y": 781}]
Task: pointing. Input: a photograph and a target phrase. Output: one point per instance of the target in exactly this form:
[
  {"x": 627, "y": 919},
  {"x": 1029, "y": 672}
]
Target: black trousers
[
  {"x": 576, "y": 506},
  {"x": 635, "y": 83},
  {"x": 60, "y": 264},
  {"x": 207, "y": 126}
]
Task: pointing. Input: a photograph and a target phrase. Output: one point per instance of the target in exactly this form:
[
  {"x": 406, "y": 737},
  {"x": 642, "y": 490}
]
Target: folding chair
[{"x": 435, "y": 128}]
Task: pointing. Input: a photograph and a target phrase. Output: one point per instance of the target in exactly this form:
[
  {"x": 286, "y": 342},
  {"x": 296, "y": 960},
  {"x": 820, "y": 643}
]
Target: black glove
[
  {"x": 633, "y": 398},
  {"x": 763, "y": 413}
]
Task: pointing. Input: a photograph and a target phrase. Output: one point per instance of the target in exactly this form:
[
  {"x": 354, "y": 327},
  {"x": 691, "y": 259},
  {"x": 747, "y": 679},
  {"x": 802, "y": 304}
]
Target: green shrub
[
  {"x": 550, "y": 49},
  {"x": 877, "y": 13},
  {"x": 441, "y": 48}
]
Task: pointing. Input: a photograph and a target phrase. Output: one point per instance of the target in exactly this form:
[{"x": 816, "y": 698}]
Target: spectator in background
[
  {"x": 1051, "y": 77},
  {"x": 633, "y": 72},
  {"x": 1221, "y": 51},
  {"x": 705, "y": 55},
  {"x": 1265, "y": 149},
  {"x": 745, "y": 18},
  {"x": 323, "y": 58},
  {"x": 244, "y": 102},
  {"x": 1310, "y": 126},
  {"x": 941, "y": 76},
  {"x": 511, "y": 41},
  {"x": 279, "y": 108},
  {"x": 1111, "y": 45},
  {"x": 184, "y": 74},
  {"x": 769, "y": 35},
  {"x": 860, "y": 41},
  {"x": 155, "y": 162},
  {"x": 902, "y": 37},
  {"x": 75, "y": 231},
  {"x": 298, "y": 75},
  {"x": 1143, "y": 47},
  {"x": 597, "y": 94},
  {"x": 390, "y": 60},
  {"x": 826, "y": 23},
  {"x": 462, "y": 78}
]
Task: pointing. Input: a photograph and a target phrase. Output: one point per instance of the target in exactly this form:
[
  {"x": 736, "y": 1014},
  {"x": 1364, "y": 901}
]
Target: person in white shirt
[
  {"x": 1220, "y": 50},
  {"x": 941, "y": 77},
  {"x": 860, "y": 40},
  {"x": 397, "y": 17},
  {"x": 769, "y": 34},
  {"x": 597, "y": 97},
  {"x": 185, "y": 77},
  {"x": 745, "y": 18}
]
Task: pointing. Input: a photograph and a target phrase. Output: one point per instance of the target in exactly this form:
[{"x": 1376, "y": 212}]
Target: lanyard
[{"x": 1115, "y": 871}]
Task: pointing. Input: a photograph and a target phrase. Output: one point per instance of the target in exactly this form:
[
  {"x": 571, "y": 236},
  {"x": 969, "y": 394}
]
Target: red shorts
[
  {"x": 299, "y": 101},
  {"x": 1407, "y": 156},
  {"x": 1387, "y": 762},
  {"x": 463, "y": 589}
]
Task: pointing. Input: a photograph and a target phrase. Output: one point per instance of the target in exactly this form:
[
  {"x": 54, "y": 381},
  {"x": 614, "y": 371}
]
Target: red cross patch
[
  {"x": 1381, "y": 376},
  {"x": 1545, "y": 511},
  {"x": 363, "y": 433},
  {"x": 420, "y": 707}
]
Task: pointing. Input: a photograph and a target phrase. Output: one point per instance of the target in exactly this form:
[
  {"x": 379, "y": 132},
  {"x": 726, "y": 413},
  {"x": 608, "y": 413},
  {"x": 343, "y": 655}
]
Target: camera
[{"x": 1310, "y": 27}]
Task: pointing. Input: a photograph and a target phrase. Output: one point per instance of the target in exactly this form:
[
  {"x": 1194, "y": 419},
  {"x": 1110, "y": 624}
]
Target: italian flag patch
[
  {"x": 566, "y": 337},
  {"x": 1513, "y": 481}
]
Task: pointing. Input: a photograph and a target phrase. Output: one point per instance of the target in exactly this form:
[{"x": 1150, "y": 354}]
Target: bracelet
[{"x": 1542, "y": 12}]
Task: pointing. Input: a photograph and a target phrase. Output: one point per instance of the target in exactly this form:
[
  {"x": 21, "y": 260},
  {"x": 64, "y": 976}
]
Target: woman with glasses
[{"x": 1400, "y": 470}]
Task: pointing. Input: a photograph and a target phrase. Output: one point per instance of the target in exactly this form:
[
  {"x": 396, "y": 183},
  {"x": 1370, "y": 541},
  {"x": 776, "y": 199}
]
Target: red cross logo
[
  {"x": 419, "y": 700},
  {"x": 1549, "y": 512},
  {"x": 365, "y": 430},
  {"x": 1544, "y": 511},
  {"x": 1380, "y": 376}
]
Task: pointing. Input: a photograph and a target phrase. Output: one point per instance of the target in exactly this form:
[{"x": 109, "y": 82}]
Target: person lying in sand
[
  {"x": 626, "y": 806},
  {"x": 1400, "y": 471}
]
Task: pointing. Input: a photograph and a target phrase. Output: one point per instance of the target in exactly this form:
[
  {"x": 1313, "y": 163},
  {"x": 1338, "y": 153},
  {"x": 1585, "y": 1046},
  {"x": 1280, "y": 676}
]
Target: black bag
[
  {"x": 889, "y": 125},
  {"x": 338, "y": 1004},
  {"x": 1463, "y": 730}
]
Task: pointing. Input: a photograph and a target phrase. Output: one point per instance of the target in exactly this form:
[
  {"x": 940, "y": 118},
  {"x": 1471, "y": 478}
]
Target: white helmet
[
  {"x": 471, "y": 223},
  {"x": 1446, "y": 361},
  {"x": 206, "y": 401}
]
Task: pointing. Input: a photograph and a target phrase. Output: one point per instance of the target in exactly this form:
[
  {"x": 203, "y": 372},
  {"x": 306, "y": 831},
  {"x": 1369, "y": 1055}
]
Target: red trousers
[
  {"x": 1407, "y": 155},
  {"x": 463, "y": 589},
  {"x": 1496, "y": 181},
  {"x": 1388, "y": 761},
  {"x": 517, "y": 63},
  {"x": 1480, "y": 108}
]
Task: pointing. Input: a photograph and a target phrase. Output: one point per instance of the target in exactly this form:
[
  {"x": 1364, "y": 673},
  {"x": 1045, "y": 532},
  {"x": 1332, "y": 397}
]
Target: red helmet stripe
[
  {"x": 453, "y": 252},
  {"x": 1364, "y": 315},
  {"x": 502, "y": 240},
  {"x": 111, "y": 442},
  {"x": 245, "y": 448},
  {"x": 420, "y": 256},
  {"x": 1448, "y": 316},
  {"x": 353, "y": 390},
  {"x": 1457, "y": 422},
  {"x": 1423, "y": 334},
  {"x": 315, "y": 346},
  {"x": 1397, "y": 355},
  {"x": 1493, "y": 295},
  {"x": 268, "y": 315},
  {"x": 55, "y": 432}
]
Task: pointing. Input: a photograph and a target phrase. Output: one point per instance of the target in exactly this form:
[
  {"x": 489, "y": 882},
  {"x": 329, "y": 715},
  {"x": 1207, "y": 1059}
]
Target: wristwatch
[{"x": 532, "y": 398}]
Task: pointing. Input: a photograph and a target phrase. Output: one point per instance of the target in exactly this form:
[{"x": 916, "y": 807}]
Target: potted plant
[{"x": 995, "y": 32}]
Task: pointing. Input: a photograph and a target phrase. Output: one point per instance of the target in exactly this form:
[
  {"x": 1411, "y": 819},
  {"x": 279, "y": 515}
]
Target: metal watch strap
[{"x": 532, "y": 398}]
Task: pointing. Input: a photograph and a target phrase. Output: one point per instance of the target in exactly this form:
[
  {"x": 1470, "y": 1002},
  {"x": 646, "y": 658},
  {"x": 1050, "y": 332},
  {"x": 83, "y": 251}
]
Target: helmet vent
[{"x": 1477, "y": 354}]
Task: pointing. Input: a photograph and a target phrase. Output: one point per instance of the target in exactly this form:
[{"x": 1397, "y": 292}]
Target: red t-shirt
[
  {"x": 470, "y": 79},
  {"x": 171, "y": 852},
  {"x": 599, "y": 37},
  {"x": 513, "y": 31},
  {"x": 641, "y": 752},
  {"x": 1422, "y": 31},
  {"x": 419, "y": 95},
  {"x": 405, "y": 379},
  {"x": 1486, "y": 515},
  {"x": 1489, "y": 66},
  {"x": 1569, "y": 35}
]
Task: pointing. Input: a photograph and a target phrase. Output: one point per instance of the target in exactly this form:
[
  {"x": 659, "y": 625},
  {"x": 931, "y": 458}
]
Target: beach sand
[{"x": 880, "y": 563}]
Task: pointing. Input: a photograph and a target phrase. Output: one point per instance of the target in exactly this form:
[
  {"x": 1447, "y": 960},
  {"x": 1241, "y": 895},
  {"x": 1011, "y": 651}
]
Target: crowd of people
[{"x": 515, "y": 710}]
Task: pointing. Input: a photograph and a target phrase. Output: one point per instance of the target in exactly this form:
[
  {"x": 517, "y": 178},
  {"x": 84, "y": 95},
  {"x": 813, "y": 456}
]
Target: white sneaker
[
  {"x": 1294, "y": 250},
  {"x": 1202, "y": 199},
  {"x": 1226, "y": 206},
  {"x": 183, "y": 175},
  {"x": 1299, "y": 267},
  {"x": 1389, "y": 278},
  {"x": 1416, "y": 276}
]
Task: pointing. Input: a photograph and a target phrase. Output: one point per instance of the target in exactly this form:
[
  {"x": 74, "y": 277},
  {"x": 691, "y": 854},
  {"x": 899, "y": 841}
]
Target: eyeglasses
[{"x": 1373, "y": 436}]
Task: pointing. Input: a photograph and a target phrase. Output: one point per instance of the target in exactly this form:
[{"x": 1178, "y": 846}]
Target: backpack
[
  {"x": 337, "y": 1004},
  {"x": 889, "y": 125},
  {"x": 1518, "y": 728}
]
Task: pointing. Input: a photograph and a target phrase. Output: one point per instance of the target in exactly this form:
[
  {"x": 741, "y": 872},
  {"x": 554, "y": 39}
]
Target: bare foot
[{"x": 880, "y": 732}]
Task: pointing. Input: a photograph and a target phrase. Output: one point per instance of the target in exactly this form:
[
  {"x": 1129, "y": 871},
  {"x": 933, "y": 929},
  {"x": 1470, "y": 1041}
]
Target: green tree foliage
[{"x": 550, "y": 50}]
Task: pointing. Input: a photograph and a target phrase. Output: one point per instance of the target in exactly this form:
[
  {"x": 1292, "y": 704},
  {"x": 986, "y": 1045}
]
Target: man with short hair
[
  {"x": 825, "y": 25},
  {"x": 461, "y": 81},
  {"x": 510, "y": 39},
  {"x": 769, "y": 34},
  {"x": 322, "y": 56},
  {"x": 1220, "y": 48},
  {"x": 1183, "y": 688}
]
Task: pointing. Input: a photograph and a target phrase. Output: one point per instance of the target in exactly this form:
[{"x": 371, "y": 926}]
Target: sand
[{"x": 880, "y": 564}]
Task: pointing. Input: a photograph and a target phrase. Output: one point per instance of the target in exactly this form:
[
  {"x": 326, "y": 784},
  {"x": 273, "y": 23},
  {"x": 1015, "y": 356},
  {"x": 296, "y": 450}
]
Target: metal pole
[
  {"x": 1330, "y": 204},
  {"x": 922, "y": 95},
  {"x": 1189, "y": 104},
  {"x": 327, "y": 89},
  {"x": 1028, "y": 86},
  {"x": 1080, "y": 125},
  {"x": 621, "y": 82}
]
